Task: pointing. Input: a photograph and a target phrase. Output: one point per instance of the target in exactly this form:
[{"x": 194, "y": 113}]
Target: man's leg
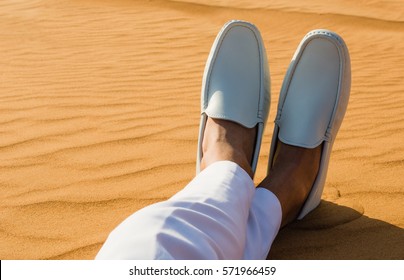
[
  {"x": 291, "y": 177},
  {"x": 280, "y": 196},
  {"x": 208, "y": 218},
  {"x": 312, "y": 103}
]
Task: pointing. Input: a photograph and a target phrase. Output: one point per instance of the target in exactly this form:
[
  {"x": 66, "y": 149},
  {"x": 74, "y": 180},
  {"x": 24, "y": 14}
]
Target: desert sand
[{"x": 99, "y": 116}]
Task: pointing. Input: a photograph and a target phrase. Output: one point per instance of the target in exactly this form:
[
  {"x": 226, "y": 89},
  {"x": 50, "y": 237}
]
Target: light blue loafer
[
  {"x": 313, "y": 100},
  {"x": 236, "y": 84}
]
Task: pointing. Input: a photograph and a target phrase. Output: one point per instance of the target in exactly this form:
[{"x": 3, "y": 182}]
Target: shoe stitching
[
  {"x": 251, "y": 27},
  {"x": 328, "y": 133}
]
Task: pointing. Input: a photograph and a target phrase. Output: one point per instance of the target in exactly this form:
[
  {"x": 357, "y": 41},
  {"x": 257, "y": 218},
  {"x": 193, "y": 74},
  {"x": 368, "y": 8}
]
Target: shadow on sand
[{"x": 338, "y": 232}]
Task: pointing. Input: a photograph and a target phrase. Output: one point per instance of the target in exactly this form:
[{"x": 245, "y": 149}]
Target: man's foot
[
  {"x": 227, "y": 140},
  {"x": 291, "y": 177}
]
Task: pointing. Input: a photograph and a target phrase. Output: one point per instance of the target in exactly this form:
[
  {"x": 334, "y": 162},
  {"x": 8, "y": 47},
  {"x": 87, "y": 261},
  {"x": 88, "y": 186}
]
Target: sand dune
[
  {"x": 99, "y": 115},
  {"x": 383, "y": 10}
]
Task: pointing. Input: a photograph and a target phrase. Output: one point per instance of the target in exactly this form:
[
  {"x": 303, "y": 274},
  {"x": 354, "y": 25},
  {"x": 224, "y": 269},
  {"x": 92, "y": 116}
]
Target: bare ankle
[
  {"x": 225, "y": 140},
  {"x": 291, "y": 177}
]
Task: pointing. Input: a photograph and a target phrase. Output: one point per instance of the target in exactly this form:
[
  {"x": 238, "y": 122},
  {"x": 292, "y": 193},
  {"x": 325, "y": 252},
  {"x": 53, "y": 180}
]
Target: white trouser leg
[
  {"x": 263, "y": 224},
  {"x": 209, "y": 219}
]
